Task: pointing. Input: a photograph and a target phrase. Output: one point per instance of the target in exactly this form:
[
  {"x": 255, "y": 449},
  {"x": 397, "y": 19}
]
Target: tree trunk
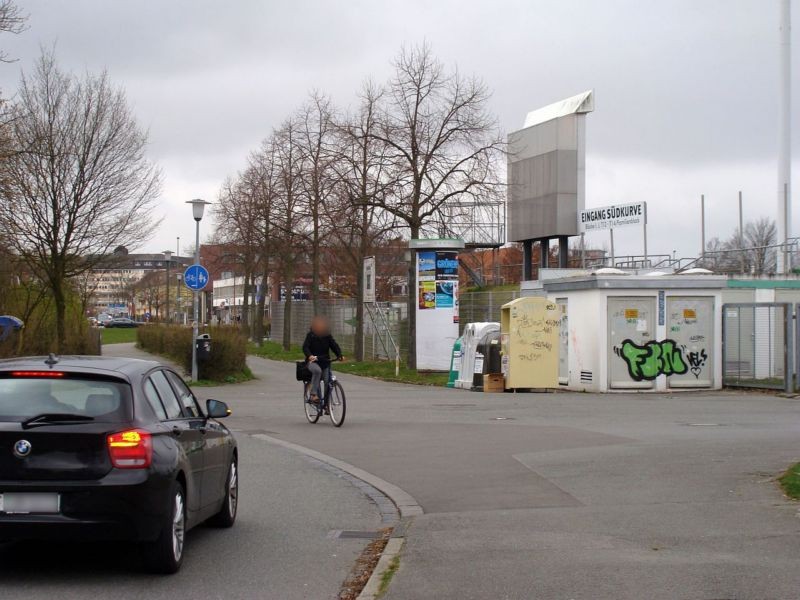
[
  {"x": 315, "y": 267},
  {"x": 412, "y": 302},
  {"x": 245, "y": 301},
  {"x": 258, "y": 332},
  {"x": 287, "y": 309},
  {"x": 61, "y": 315},
  {"x": 358, "y": 346}
]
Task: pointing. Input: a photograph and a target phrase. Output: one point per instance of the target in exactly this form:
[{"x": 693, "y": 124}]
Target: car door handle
[{"x": 176, "y": 431}]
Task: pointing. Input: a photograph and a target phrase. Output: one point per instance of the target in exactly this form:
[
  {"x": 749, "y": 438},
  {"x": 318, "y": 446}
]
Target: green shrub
[
  {"x": 38, "y": 337},
  {"x": 228, "y": 359}
]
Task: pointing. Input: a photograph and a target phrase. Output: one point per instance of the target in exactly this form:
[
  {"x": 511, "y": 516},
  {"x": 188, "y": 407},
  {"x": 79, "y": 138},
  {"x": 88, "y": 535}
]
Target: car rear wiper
[{"x": 55, "y": 419}]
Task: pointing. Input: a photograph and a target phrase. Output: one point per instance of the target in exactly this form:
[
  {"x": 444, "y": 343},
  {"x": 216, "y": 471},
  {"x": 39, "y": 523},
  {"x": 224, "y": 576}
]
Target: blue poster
[
  {"x": 445, "y": 294},
  {"x": 426, "y": 266},
  {"x": 447, "y": 266}
]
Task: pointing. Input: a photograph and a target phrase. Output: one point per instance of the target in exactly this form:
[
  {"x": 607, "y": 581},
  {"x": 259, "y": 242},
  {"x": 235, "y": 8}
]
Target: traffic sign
[{"x": 195, "y": 277}]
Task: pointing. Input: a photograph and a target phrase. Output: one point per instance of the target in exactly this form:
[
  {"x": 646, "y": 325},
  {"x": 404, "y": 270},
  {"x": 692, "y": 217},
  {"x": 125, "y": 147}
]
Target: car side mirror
[{"x": 216, "y": 409}]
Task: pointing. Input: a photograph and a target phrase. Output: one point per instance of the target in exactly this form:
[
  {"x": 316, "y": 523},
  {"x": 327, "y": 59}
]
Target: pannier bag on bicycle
[{"x": 303, "y": 374}]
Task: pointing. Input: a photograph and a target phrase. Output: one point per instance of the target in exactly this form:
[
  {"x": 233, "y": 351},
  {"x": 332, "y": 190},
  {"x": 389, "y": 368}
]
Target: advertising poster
[
  {"x": 445, "y": 294},
  {"x": 427, "y": 295},
  {"x": 447, "y": 266},
  {"x": 426, "y": 266}
]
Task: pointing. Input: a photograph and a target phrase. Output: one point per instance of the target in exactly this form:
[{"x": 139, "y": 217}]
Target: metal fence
[
  {"x": 474, "y": 307},
  {"x": 758, "y": 345},
  {"x": 342, "y": 317}
]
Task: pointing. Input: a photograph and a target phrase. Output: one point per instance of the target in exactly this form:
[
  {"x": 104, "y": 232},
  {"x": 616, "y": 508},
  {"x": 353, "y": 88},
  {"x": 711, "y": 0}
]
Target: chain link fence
[
  {"x": 476, "y": 307},
  {"x": 389, "y": 324},
  {"x": 384, "y": 323}
]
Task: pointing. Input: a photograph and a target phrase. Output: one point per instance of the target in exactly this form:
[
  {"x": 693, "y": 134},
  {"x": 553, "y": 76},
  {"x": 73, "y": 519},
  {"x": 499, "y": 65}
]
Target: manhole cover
[
  {"x": 704, "y": 424},
  {"x": 453, "y": 405},
  {"x": 502, "y": 418}
]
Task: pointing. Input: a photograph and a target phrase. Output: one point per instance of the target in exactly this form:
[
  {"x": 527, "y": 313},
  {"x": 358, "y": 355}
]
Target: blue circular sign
[{"x": 195, "y": 277}]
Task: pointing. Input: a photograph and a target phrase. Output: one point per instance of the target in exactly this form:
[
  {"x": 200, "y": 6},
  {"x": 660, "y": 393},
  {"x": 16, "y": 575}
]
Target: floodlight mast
[{"x": 784, "y": 219}]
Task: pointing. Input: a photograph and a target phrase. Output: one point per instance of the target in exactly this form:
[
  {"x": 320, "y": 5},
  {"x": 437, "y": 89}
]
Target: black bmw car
[{"x": 98, "y": 448}]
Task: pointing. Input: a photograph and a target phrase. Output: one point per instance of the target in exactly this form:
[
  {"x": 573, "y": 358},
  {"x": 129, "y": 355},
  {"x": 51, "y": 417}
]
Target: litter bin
[
  {"x": 488, "y": 349},
  {"x": 203, "y": 345}
]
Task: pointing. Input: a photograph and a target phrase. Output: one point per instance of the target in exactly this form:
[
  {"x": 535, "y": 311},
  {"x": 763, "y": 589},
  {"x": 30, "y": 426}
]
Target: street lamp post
[
  {"x": 198, "y": 208},
  {"x": 168, "y": 256}
]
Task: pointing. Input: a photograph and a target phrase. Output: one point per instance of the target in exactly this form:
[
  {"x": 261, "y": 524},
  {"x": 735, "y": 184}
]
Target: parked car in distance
[
  {"x": 121, "y": 322},
  {"x": 101, "y": 448}
]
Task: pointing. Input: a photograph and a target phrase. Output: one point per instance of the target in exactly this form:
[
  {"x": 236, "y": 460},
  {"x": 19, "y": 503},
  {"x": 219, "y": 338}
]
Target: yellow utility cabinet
[{"x": 529, "y": 329}]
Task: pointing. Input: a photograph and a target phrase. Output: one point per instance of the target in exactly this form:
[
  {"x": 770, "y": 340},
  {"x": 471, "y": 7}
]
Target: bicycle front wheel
[
  {"x": 337, "y": 405},
  {"x": 312, "y": 411}
]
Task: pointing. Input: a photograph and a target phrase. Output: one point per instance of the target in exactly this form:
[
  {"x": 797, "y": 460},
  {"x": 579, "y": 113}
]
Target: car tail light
[
  {"x": 132, "y": 449},
  {"x": 37, "y": 374}
]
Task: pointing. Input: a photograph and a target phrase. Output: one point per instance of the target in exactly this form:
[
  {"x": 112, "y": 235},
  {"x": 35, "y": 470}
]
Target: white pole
[
  {"x": 784, "y": 220},
  {"x": 644, "y": 229},
  {"x": 611, "y": 234}
]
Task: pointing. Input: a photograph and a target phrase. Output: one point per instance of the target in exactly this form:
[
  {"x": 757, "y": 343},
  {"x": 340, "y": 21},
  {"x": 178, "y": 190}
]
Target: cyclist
[{"x": 317, "y": 347}]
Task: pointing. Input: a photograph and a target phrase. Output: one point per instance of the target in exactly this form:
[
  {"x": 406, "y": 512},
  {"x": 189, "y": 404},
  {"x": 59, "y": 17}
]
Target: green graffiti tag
[{"x": 647, "y": 362}]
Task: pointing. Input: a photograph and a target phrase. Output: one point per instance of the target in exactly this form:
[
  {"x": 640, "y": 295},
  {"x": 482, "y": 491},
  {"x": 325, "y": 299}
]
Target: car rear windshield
[{"x": 23, "y": 396}]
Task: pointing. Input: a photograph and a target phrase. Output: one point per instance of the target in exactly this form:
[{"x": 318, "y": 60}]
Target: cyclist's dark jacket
[{"x": 320, "y": 346}]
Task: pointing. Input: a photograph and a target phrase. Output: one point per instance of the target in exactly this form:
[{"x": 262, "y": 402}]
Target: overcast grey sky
[{"x": 686, "y": 90}]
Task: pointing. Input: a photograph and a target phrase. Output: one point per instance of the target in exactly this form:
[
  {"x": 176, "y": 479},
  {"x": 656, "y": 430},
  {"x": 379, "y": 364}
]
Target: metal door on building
[
  {"x": 563, "y": 342},
  {"x": 690, "y": 325},
  {"x": 631, "y": 323}
]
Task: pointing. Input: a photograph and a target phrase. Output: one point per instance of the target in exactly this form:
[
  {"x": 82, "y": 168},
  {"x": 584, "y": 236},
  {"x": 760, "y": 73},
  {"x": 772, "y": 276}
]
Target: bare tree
[
  {"x": 445, "y": 147},
  {"x": 236, "y": 217},
  {"x": 759, "y": 235},
  {"x": 356, "y": 221},
  {"x": 12, "y": 20},
  {"x": 288, "y": 220},
  {"x": 262, "y": 174},
  {"x": 314, "y": 145},
  {"x": 78, "y": 184}
]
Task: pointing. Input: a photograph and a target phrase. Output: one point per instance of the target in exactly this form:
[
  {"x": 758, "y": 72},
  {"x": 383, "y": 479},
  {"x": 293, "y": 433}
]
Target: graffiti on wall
[
  {"x": 697, "y": 360},
  {"x": 652, "y": 359},
  {"x": 648, "y": 361}
]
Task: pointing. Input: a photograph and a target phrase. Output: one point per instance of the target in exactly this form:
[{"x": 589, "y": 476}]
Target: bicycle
[{"x": 333, "y": 401}]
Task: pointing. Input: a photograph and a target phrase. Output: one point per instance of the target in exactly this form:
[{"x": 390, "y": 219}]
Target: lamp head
[{"x": 198, "y": 207}]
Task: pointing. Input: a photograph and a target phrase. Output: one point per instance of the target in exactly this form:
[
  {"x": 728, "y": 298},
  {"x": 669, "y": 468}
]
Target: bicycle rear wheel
[
  {"x": 312, "y": 411},
  {"x": 337, "y": 404}
]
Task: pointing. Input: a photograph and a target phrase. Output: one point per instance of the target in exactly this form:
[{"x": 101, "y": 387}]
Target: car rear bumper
[{"x": 124, "y": 505}]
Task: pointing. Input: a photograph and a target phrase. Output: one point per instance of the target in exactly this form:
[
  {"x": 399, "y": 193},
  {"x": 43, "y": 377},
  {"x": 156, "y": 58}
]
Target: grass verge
[
  {"x": 118, "y": 335},
  {"x": 386, "y": 576},
  {"x": 790, "y": 482},
  {"x": 379, "y": 369},
  {"x": 245, "y": 375}
]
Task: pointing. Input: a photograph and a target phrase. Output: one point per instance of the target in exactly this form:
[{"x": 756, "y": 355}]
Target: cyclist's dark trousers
[{"x": 317, "y": 373}]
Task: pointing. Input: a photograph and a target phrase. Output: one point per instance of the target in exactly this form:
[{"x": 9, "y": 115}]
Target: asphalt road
[
  {"x": 280, "y": 547},
  {"x": 564, "y": 495}
]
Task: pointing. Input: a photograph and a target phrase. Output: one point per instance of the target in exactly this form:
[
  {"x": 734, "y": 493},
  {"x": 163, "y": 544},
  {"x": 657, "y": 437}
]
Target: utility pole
[
  {"x": 703, "y": 229},
  {"x": 784, "y": 220},
  {"x": 741, "y": 235},
  {"x": 168, "y": 256}
]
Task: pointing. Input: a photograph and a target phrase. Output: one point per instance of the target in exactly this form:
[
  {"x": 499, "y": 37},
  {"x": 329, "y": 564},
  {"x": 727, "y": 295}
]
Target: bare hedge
[{"x": 228, "y": 349}]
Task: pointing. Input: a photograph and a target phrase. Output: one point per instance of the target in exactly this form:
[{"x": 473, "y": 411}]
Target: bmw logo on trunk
[{"x": 22, "y": 448}]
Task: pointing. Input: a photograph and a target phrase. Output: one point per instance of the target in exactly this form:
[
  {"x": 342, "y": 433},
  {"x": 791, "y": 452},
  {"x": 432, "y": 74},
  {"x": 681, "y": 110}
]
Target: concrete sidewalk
[{"x": 564, "y": 495}]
